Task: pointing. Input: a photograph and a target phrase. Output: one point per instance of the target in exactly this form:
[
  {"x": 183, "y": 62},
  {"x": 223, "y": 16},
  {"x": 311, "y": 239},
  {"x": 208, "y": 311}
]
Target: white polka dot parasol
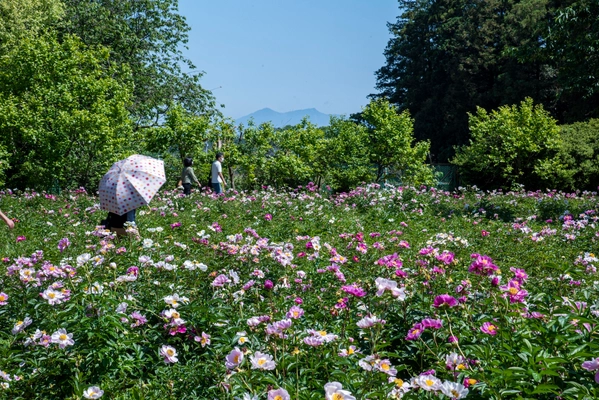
[{"x": 131, "y": 183}]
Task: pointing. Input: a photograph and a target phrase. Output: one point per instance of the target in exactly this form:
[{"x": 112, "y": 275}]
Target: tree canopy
[
  {"x": 148, "y": 36},
  {"x": 447, "y": 57},
  {"x": 63, "y": 115}
]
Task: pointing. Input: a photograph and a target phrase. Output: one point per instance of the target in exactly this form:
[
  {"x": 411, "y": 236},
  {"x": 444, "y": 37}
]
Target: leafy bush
[
  {"x": 578, "y": 157},
  {"x": 514, "y": 145},
  {"x": 393, "y": 149}
]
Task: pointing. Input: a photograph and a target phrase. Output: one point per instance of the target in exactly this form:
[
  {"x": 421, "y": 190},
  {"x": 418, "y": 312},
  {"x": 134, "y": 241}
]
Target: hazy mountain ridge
[{"x": 280, "y": 120}]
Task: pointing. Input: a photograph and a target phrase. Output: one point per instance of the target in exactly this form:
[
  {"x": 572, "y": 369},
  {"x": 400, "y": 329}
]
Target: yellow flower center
[
  {"x": 492, "y": 328},
  {"x": 398, "y": 382},
  {"x": 175, "y": 314},
  {"x": 296, "y": 314},
  {"x": 350, "y": 351},
  {"x": 236, "y": 359},
  {"x": 513, "y": 290},
  {"x": 277, "y": 397},
  {"x": 385, "y": 367},
  {"x": 337, "y": 396},
  {"x": 19, "y": 323},
  {"x": 242, "y": 340},
  {"x": 461, "y": 366},
  {"x": 170, "y": 352},
  {"x": 2, "y": 297},
  {"x": 322, "y": 333},
  {"x": 261, "y": 361},
  {"x": 455, "y": 393},
  {"x": 472, "y": 381},
  {"x": 63, "y": 336},
  {"x": 429, "y": 382}
]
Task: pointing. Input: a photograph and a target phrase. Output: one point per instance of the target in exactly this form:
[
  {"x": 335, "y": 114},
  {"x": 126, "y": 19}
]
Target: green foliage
[
  {"x": 347, "y": 155},
  {"x": 20, "y": 19},
  {"x": 392, "y": 147},
  {"x": 148, "y": 36},
  {"x": 62, "y": 114},
  {"x": 510, "y": 146},
  {"x": 255, "y": 146},
  {"x": 578, "y": 157},
  {"x": 573, "y": 46},
  {"x": 182, "y": 135},
  {"x": 445, "y": 58},
  {"x": 297, "y": 156},
  {"x": 3, "y": 164}
]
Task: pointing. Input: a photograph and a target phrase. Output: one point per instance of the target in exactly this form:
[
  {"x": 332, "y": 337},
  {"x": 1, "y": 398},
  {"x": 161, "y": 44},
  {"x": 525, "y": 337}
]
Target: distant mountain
[{"x": 280, "y": 120}]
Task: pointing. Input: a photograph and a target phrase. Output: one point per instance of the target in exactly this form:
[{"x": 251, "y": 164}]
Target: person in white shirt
[{"x": 218, "y": 180}]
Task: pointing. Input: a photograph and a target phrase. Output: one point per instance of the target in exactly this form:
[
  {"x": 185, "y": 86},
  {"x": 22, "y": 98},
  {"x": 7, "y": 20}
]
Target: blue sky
[{"x": 288, "y": 54}]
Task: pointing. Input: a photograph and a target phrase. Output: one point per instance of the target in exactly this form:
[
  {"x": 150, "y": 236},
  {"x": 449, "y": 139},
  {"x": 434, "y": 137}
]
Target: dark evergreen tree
[{"x": 446, "y": 57}]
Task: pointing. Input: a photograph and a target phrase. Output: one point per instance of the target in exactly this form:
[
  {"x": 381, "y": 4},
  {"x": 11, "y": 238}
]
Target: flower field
[{"x": 382, "y": 292}]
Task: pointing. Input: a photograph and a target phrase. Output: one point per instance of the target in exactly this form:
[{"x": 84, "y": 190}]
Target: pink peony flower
[
  {"x": 592, "y": 365},
  {"x": 445, "y": 300},
  {"x": 295, "y": 312},
  {"x": 169, "y": 353},
  {"x": 234, "y": 358},
  {"x": 489, "y": 328},
  {"x": 415, "y": 332},
  {"x": 279, "y": 394},
  {"x": 354, "y": 290}
]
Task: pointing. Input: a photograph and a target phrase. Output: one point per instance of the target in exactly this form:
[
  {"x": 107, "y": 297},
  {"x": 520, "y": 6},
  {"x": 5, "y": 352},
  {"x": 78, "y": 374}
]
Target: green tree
[
  {"x": 63, "y": 115},
  {"x": 578, "y": 157},
  {"x": 514, "y": 145},
  {"x": 20, "y": 19},
  {"x": 573, "y": 46},
  {"x": 148, "y": 36},
  {"x": 447, "y": 57},
  {"x": 255, "y": 145},
  {"x": 296, "y": 159},
  {"x": 392, "y": 148},
  {"x": 347, "y": 155},
  {"x": 183, "y": 134}
]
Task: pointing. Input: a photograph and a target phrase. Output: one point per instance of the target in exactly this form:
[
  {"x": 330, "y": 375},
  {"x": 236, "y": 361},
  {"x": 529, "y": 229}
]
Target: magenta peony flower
[
  {"x": 489, "y": 329},
  {"x": 432, "y": 323},
  {"x": 415, "y": 332},
  {"x": 445, "y": 300},
  {"x": 482, "y": 265},
  {"x": 63, "y": 244},
  {"x": 354, "y": 290}
]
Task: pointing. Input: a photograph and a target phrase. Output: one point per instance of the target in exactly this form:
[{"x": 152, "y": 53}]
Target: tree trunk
[{"x": 231, "y": 180}]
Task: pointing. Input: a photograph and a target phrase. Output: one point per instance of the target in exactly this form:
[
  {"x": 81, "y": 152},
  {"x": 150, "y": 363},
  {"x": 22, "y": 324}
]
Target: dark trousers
[
  {"x": 187, "y": 189},
  {"x": 217, "y": 188}
]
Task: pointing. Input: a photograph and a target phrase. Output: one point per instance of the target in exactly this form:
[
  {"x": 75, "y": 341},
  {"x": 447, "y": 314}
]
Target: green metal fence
[{"x": 447, "y": 176}]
